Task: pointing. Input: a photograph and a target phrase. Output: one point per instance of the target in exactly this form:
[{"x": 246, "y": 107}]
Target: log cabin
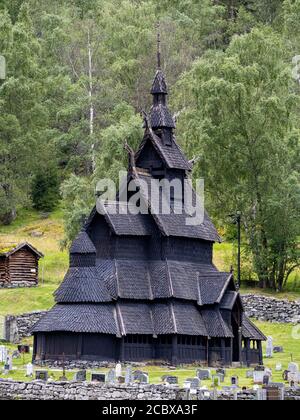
[
  {"x": 143, "y": 287},
  {"x": 19, "y": 266}
]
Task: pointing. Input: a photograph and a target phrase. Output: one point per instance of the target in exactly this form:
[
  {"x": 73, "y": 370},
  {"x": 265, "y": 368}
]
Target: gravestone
[
  {"x": 144, "y": 378},
  {"x": 278, "y": 367},
  {"x": 137, "y": 375},
  {"x": 98, "y": 377},
  {"x": 269, "y": 351},
  {"x": 234, "y": 381},
  {"x": 9, "y": 362},
  {"x": 128, "y": 375},
  {"x": 274, "y": 392},
  {"x": 278, "y": 349},
  {"x": 29, "y": 370},
  {"x": 222, "y": 377},
  {"x": 118, "y": 370},
  {"x": 285, "y": 375},
  {"x": 259, "y": 368},
  {"x": 293, "y": 367},
  {"x": 221, "y": 371},
  {"x": 266, "y": 380},
  {"x": 111, "y": 376},
  {"x": 258, "y": 377},
  {"x": 195, "y": 383},
  {"x": 203, "y": 374},
  {"x": 171, "y": 380},
  {"x": 261, "y": 395},
  {"x": 3, "y": 354},
  {"x": 41, "y": 375},
  {"x": 80, "y": 376},
  {"x": 216, "y": 381},
  {"x": 249, "y": 374}
]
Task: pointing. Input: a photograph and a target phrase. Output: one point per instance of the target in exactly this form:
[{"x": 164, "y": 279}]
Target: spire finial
[{"x": 158, "y": 46}]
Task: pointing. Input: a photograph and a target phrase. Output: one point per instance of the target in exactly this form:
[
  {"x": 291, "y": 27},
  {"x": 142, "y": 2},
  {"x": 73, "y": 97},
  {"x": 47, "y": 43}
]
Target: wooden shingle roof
[
  {"x": 172, "y": 156},
  {"x": 83, "y": 245},
  {"x": 7, "y": 250},
  {"x": 249, "y": 330}
]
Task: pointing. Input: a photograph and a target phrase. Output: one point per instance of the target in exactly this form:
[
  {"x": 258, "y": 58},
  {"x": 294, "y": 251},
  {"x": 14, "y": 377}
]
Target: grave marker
[
  {"x": 98, "y": 377},
  {"x": 41, "y": 375}
]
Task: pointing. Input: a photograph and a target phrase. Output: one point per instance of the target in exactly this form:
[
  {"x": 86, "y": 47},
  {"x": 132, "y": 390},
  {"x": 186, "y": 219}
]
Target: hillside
[{"x": 46, "y": 234}]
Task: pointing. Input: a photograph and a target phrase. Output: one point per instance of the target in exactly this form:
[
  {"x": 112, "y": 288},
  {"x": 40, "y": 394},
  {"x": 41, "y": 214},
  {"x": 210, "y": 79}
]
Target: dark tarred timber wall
[{"x": 173, "y": 349}]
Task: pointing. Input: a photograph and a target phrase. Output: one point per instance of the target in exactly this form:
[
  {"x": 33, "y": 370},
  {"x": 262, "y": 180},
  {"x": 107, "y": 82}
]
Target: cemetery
[
  {"x": 19, "y": 378},
  {"x": 166, "y": 289}
]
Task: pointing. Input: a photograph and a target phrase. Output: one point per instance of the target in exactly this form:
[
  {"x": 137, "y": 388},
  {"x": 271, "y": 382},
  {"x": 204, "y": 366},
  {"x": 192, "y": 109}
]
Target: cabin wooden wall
[
  {"x": 3, "y": 270},
  {"x": 23, "y": 267}
]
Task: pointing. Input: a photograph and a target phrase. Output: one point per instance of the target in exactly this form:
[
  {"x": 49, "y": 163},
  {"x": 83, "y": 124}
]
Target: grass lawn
[
  {"x": 282, "y": 335},
  {"x": 52, "y": 267}
]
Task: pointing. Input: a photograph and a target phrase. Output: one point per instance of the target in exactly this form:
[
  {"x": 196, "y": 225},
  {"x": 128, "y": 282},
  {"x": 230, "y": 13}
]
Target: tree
[
  {"x": 45, "y": 189},
  {"x": 241, "y": 117}
]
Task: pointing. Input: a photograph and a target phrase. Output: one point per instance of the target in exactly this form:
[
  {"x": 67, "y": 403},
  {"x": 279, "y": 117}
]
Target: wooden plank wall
[{"x": 23, "y": 266}]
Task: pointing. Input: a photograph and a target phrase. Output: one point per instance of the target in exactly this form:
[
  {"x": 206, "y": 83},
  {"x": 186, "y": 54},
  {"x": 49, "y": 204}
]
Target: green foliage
[
  {"x": 78, "y": 200},
  {"x": 45, "y": 189},
  {"x": 242, "y": 121}
]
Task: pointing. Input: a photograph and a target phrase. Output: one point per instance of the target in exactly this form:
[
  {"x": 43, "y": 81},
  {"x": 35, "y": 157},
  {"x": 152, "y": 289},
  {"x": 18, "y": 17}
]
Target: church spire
[{"x": 160, "y": 114}]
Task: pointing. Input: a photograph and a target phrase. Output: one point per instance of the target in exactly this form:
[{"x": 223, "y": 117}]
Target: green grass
[
  {"x": 282, "y": 335},
  {"x": 52, "y": 267}
]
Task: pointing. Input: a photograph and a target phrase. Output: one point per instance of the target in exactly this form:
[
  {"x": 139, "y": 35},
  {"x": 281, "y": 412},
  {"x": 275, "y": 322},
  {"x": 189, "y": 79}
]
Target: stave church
[{"x": 143, "y": 287}]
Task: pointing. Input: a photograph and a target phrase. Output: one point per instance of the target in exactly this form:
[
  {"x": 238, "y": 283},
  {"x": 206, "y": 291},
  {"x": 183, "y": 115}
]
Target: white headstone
[
  {"x": 29, "y": 370},
  {"x": 293, "y": 367},
  {"x": 258, "y": 377},
  {"x": 118, "y": 370},
  {"x": 269, "y": 352},
  {"x": 3, "y": 354},
  {"x": 278, "y": 367}
]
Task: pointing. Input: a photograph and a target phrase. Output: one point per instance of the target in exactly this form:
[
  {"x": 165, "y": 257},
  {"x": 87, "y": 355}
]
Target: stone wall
[
  {"x": 37, "y": 390},
  {"x": 271, "y": 309},
  {"x": 19, "y": 326},
  {"x": 17, "y": 284}
]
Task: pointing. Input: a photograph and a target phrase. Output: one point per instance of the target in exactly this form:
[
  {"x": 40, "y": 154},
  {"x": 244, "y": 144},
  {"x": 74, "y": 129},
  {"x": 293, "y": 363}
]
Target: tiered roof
[{"x": 155, "y": 297}]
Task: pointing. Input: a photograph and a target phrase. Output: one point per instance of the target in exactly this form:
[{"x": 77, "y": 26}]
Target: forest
[{"x": 78, "y": 75}]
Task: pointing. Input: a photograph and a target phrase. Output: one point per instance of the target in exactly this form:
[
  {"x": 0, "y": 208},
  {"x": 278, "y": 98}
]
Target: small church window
[{"x": 167, "y": 137}]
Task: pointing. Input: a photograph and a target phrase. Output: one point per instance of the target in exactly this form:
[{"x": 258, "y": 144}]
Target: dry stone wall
[{"x": 37, "y": 390}]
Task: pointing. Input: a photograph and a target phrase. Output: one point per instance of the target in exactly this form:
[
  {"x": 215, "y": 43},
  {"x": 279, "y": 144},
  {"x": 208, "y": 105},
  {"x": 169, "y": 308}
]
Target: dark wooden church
[{"x": 144, "y": 287}]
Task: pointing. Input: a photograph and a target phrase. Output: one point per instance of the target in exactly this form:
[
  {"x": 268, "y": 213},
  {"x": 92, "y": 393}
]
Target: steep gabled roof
[
  {"x": 179, "y": 225},
  {"x": 172, "y": 156},
  {"x": 215, "y": 324},
  {"x": 159, "y": 84},
  {"x": 12, "y": 249},
  {"x": 83, "y": 244},
  {"x": 122, "y": 221},
  {"x": 249, "y": 330},
  {"x": 160, "y": 116}
]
